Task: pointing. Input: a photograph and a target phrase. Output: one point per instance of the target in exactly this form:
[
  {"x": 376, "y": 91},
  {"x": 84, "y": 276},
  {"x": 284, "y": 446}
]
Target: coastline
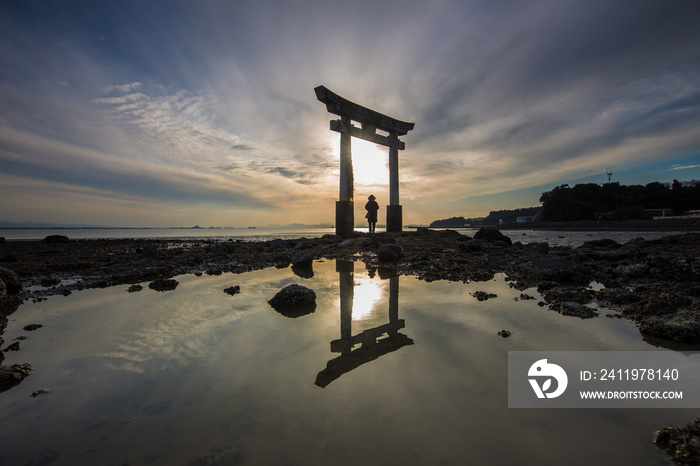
[
  {"x": 685, "y": 225},
  {"x": 652, "y": 282}
]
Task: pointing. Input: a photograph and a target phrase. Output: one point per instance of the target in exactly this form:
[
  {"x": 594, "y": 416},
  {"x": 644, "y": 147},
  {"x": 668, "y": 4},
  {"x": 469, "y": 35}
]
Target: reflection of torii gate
[
  {"x": 372, "y": 347},
  {"x": 370, "y": 122}
]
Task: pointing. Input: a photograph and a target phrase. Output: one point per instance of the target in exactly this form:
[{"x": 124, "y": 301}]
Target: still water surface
[{"x": 153, "y": 378}]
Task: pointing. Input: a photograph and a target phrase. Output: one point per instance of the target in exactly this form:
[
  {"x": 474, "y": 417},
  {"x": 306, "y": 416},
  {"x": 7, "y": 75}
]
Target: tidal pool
[{"x": 196, "y": 376}]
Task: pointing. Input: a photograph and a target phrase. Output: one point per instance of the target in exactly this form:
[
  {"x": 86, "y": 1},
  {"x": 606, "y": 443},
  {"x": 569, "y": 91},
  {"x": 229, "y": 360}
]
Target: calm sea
[
  {"x": 554, "y": 238},
  {"x": 253, "y": 234}
]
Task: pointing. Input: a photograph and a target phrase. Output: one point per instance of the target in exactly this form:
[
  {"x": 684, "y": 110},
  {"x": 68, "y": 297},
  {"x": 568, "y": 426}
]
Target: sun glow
[
  {"x": 370, "y": 162},
  {"x": 366, "y": 295}
]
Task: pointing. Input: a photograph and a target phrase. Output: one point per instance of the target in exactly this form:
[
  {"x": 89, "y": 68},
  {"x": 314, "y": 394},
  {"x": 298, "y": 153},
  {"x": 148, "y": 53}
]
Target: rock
[
  {"x": 632, "y": 270},
  {"x": 682, "y": 444},
  {"x": 232, "y": 290},
  {"x": 303, "y": 259},
  {"x": 164, "y": 284},
  {"x": 483, "y": 296},
  {"x": 600, "y": 244},
  {"x": 13, "y": 347},
  {"x": 134, "y": 288},
  {"x": 492, "y": 235},
  {"x": 345, "y": 244},
  {"x": 475, "y": 245},
  {"x": 504, "y": 333},
  {"x": 303, "y": 272},
  {"x": 617, "y": 296},
  {"x": 277, "y": 245},
  {"x": 56, "y": 239},
  {"x": 657, "y": 306},
  {"x": 525, "y": 297},
  {"x": 545, "y": 286},
  {"x": 3, "y": 290},
  {"x": 684, "y": 327},
  {"x": 574, "y": 310},
  {"x": 331, "y": 239},
  {"x": 9, "y": 257},
  {"x": 302, "y": 263},
  {"x": 301, "y": 245},
  {"x": 153, "y": 251},
  {"x": 569, "y": 293},
  {"x": 537, "y": 248},
  {"x": 294, "y": 301},
  {"x": 377, "y": 239},
  {"x": 32, "y": 327},
  {"x": 389, "y": 253},
  {"x": 13, "y": 375},
  {"x": 13, "y": 284},
  {"x": 50, "y": 281},
  {"x": 557, "y": 269},
  {"x": 40, "y": 391}
]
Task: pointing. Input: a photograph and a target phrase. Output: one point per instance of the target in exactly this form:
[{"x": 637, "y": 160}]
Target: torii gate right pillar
[{"x": 394, "y": 211}]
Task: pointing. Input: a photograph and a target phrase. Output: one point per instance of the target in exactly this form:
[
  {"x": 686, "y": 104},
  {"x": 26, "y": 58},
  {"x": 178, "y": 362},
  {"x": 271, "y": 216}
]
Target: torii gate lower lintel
[{"x": 370, "y": 122}]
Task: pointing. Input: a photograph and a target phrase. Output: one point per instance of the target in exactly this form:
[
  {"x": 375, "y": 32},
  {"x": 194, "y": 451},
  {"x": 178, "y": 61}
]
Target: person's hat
[{"x": 371, "y": 197}]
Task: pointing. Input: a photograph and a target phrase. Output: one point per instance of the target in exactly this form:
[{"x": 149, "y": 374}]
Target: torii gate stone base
[{"x": 370, "y": 121}]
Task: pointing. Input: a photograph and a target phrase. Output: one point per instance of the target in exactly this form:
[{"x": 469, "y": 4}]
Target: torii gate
[
  {"x": 374, "y": 342},
  {"x": 370, "y": 122}
]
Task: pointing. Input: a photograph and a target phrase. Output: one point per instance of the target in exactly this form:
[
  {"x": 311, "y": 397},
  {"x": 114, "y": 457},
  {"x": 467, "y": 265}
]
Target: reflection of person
[{"x": 372, "y": 207}]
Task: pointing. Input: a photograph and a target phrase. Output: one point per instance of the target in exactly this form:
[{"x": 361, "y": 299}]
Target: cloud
[
  {"x": 120, "y": 100},
  {"x": 122, "y": 88},
  {"x": 686, "y": 167}
]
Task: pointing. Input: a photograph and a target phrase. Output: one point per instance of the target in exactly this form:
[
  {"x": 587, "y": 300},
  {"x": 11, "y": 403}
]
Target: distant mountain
[{"x": 28, "y": 224}]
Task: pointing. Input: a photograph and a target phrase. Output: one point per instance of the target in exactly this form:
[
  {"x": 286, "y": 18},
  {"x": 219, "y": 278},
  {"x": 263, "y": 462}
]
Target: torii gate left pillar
[{"x": 370, "y": 122}]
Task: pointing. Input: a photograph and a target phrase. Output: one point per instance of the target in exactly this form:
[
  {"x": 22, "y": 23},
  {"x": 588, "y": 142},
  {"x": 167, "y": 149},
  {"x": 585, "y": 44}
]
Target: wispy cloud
[
  {"x": 683, "y": 167},
  {"x": 122, "y": 88}
]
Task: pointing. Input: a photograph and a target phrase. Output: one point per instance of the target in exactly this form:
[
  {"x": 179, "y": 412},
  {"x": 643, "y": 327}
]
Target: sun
[
  {"x": 367, "y": 293},
  {"x": 370, "y": 162}
]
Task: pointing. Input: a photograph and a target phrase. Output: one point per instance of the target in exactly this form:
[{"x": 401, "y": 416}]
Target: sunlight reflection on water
[{"x": 414, "y": 373}]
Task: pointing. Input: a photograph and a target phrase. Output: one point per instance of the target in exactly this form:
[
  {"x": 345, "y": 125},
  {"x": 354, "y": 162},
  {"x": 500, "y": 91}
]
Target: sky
[{"x": 178, "y": 112}]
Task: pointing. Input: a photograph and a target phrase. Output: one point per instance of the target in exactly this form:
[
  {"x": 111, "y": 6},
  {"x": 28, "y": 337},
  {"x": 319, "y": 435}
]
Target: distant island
[{"x": 494, "y": 218}]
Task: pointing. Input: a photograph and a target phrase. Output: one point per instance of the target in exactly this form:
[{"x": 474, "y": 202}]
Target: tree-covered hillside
[{"x": 588, "y": 201}]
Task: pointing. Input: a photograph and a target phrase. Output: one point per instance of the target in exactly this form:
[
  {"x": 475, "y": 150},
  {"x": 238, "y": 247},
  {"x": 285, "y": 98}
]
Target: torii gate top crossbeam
[{"x": 343, "y": 107}]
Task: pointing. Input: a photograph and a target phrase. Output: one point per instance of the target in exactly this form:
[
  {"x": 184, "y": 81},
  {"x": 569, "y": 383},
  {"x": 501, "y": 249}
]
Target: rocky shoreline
[{"x": 654, "y": 283}]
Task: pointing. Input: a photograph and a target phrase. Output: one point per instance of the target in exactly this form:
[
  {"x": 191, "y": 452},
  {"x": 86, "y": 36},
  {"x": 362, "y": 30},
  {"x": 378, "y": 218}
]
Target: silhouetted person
[{"x": 372, "y": 207}]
